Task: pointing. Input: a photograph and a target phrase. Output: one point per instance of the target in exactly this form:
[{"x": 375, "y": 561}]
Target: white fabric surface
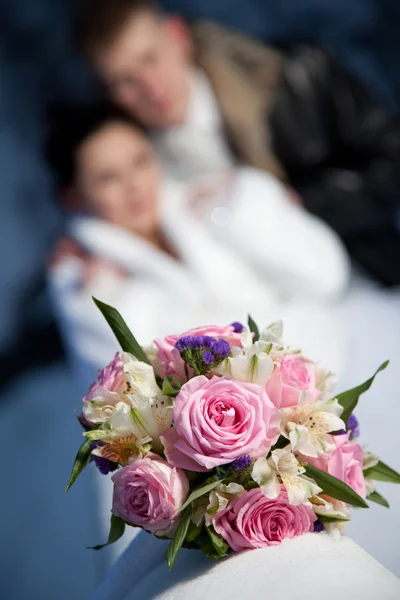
[{"x": 312, "y": 566}]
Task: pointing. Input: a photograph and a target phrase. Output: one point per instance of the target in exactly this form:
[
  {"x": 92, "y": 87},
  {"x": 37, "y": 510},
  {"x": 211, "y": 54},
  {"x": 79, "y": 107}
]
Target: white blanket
[{"x": 312, "y": 566}]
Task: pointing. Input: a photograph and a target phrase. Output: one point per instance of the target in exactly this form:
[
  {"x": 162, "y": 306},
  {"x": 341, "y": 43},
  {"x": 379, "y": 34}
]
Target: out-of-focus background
[{"x": 44, "y": 533}]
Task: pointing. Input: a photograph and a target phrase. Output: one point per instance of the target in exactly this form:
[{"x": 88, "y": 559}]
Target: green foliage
[
  {"x": 179, "y": 538},
  {"x": 335, "y": 487},
  {"x": 126, "y": 339},
  {"x": 81, "y": 460},
  {"x": 117, "y": 528},
  {"x": 382, "y": 472},
  {"x": 349, "y": 399},
  {"x": 253, "y": 328},
  {"x": 378, "y": 499},
  {"x": 171, "y": 386},
  {"x": 201, "y": 491}
]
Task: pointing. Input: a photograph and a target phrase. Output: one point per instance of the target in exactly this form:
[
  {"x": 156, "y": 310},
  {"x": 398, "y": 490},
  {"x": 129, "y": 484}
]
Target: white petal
[
  {"x": 324, "y": 422},
  {"x": 261, "y": 472},
  {"x": 272, "y": 489},
  {"x": 299, "y": 488},
  {"x": 369, "y": 460},
  {"x": 298, "y": 437},
  {"x": 330, "y": 405}
]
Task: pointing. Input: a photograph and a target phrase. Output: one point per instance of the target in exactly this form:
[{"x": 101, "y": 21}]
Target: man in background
[{"x": 213, "y": 97}]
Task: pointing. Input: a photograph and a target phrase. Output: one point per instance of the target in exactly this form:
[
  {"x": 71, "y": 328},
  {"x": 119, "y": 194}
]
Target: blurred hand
[{"x": 94, "y": 267}]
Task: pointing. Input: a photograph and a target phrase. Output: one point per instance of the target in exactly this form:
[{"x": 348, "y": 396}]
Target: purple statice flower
[
  {"x": 353, "y": 426},
  {"x": 221, "y": 348},
  {"x": 243, "y": 462},
  {"x": 104, "y": 465},
  {"x": 318, "y": 527},
  {"x": 237, "y": 327},
  {"x": 202, "y": 352},
  {"x": 194, "y": 342},
  {"x": 208, "y": 358}
]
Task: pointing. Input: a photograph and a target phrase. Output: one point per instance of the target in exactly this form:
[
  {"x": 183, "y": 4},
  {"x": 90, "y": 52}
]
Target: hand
[
  {"x": 93, "y": 267},
  {"x": 65, "y": 248}
]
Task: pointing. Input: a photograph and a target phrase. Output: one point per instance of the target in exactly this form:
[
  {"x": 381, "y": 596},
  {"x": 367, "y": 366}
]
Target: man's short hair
[
  {"x": 69, "y": 126},
  {"x": 98, "y": 22}
]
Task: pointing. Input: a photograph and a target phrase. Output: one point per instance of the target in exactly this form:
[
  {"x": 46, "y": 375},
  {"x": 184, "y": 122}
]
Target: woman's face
[{"x": 117, "y": 177}]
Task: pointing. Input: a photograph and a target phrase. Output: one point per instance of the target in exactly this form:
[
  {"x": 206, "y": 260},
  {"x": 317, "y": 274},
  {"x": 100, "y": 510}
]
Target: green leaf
[
  {"x": 253, "y": 328},
  {"x": 126, "y": 339},
  {"x": 335, "y": 488},
  {"x": 117, "y": 528},
  {"x": 219, "y": 544},
  {"x": 329, "y": 519},
  {"x": 194, "y": 532},
  {"x": 349, "y": 399},
  {"x": 382, "y": 472},
  {"x": 171, "y": 386},
  {"x": 81, "y": 460},
  {"x": 375, "y": 497},
  {"x": 205, "y": 544},
  {"x": 178, "y": 539},
  {"x": 200, "y": 492}
]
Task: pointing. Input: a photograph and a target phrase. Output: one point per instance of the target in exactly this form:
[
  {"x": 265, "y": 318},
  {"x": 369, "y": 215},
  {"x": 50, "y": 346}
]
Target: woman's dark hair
[{"x": 69, "y": 126}]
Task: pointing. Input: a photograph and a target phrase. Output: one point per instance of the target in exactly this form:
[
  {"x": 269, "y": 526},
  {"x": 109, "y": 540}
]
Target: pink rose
[
  {"x": 254, "y": 521},
  {"x": 294, "y": 375},
  {"x": 345, "y": 462},
  {"x": 104, "y": 394},
  {"x": 218, "y": 420},
  {"x": 148, "y": 493},
  {"x": 169, "y": 361}
]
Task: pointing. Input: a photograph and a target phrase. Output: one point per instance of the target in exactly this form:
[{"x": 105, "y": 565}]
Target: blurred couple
[{"x": 190, "y": 220}]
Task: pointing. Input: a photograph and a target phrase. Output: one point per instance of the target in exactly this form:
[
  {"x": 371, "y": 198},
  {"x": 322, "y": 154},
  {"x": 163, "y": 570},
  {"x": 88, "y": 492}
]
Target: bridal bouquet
[{"x": 224, "y": 439}]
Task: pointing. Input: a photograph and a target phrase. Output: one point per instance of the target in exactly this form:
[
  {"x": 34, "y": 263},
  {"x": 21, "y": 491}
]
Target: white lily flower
[
  {"x": 120, "y": 424},
  {"x": 251, "y": 363},
  {"x": 220, "y": 497},
  {"x": 153, "y": 415},
  {"x": 102, "y": 405},
  {"x": 141, "y": 377},
  {"x": 369, "y": 460},
  {"x": 273, "y": 333},
  {"x": 326, "y": 381},
  {"x": 306, "y": 426},
  {"x": 283, "y": 466},
  {"x": 330, "y": 508}
]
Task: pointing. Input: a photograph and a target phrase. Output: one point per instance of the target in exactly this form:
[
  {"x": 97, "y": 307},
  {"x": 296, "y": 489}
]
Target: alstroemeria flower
[
  {"x": 326, "y": 381},
  {"x": 220, "y": 498},
  {"x": 308, "y": 424},
  {"x": 369, "y": 460},
  {"x": 251, "y": 363},
  {"x": 283, "y": 466},
  {"x": 140, "y": 377},
  {"x": 121, "y": 425},
  {"x": 153, "y": 416},
  {"x": 329, "y": 507}
]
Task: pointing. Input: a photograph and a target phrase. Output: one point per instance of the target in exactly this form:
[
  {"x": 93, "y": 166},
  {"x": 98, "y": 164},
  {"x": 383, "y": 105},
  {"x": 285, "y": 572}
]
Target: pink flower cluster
[{"x": 247, "y": 444}]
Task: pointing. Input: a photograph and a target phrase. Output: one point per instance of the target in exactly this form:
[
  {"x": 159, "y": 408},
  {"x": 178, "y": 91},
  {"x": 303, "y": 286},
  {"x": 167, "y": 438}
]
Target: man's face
[{"x": 146, "y": 69}]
